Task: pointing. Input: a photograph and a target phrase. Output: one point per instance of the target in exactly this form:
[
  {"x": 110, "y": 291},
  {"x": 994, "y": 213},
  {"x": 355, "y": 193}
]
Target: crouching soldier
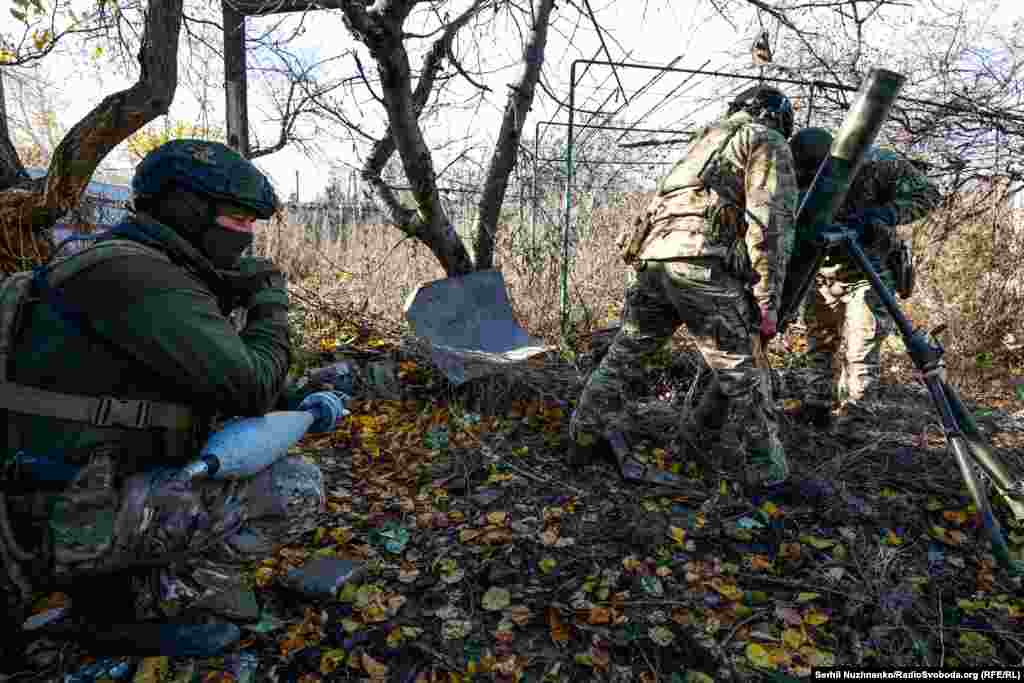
[{"x": 120, "y": 361}]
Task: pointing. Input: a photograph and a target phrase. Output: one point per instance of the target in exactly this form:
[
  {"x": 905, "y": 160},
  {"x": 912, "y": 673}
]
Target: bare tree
[{"x": 31, "y": 207}]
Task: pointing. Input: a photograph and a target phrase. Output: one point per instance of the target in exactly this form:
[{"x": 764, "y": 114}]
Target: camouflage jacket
[
  {"x": 885, "y": 180},
  {"x": 144, "y": 328},
  {"x": 750, "y": 194}
]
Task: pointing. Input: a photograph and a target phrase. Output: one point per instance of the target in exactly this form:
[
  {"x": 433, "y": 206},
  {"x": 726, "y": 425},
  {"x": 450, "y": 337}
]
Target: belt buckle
[{"x": 114, "y": 412}]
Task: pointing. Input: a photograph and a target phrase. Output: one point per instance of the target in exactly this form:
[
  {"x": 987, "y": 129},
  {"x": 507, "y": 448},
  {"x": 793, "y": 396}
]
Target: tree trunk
[
  {"x": 506, "y": 149},
  {"x": 12, "y": 171},
  {"x": 107, "y": 125},
  {"x": 380, "y": 28}
]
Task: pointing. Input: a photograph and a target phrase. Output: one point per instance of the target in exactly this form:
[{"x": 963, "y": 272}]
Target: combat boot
[{"x": 702, "y": 430}]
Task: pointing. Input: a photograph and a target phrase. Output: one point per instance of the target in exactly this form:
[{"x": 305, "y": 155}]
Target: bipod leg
[
  {"x": 967, "y": 459},
  {"x": 1009, "y": 487},
  {"x": 962, "y": 435}
]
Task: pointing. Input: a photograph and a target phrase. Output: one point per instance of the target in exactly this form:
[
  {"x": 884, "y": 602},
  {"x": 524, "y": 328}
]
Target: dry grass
[{"x": 969, "y": 278}]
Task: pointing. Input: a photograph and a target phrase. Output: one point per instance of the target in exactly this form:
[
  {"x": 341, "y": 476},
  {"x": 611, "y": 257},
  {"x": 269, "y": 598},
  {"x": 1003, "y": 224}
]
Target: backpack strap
[{"x": 101, "y": 411}]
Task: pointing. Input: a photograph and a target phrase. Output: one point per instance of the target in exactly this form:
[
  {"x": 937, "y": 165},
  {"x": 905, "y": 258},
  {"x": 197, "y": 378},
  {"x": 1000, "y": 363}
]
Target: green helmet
[
  {"x": 766, "y": 102},
  {"x": 209, "y": 169},
  {"x": 810, "y": 147}
]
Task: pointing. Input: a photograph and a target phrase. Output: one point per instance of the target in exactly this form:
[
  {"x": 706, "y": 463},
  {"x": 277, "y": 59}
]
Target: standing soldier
[
  {"x": 887, "y": 192},
  {"x": 710, "y": 252}
]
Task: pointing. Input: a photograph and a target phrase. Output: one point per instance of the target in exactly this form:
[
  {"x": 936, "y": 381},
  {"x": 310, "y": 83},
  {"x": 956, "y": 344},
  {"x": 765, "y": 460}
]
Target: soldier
[
  {"x": 711, "y": 253},
  {"x": 125, "y": 358},
  {"x": 888, "y": 191}
]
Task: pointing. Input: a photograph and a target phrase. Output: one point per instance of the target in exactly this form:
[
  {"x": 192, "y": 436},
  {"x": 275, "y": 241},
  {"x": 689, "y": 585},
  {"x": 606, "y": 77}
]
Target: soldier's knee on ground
[{"x": 281, "y": 503}]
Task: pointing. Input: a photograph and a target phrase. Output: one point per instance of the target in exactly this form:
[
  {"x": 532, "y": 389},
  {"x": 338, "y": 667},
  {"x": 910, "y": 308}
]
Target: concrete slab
[{"x": 469, "y": 324}]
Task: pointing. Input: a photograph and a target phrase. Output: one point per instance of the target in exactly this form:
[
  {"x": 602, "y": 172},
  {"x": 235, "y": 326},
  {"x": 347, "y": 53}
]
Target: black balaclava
[{"x": 193, "y": 216}]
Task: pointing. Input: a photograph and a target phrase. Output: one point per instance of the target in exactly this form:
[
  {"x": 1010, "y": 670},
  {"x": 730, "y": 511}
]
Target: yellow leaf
[
  {"x": 497, "y": 517},
  {"x": 971, "y": 606},
  {"x": 676, "y": 534},
  {"x": 728, "y": 590},
  {"x": 793, "y": 638},
  {"x": 975, "y": 644},
  {"x": 547, "y": 565},
  {"x": 264, "y": 576},
  {"x": 631, "y": 564},
  {"x": 817, "y": 542},
  {"x": 892, "y": 539},
  {"x": 807, "y": 597},
  {"x": 759, "y": 656},
  {"x": 331, "y": 660},
  {"x": 152, "y": 670},
  {"x": 373, "y": 668},
  {"x": 815, "y": 617},
  {"x": 771, "y": 509}
]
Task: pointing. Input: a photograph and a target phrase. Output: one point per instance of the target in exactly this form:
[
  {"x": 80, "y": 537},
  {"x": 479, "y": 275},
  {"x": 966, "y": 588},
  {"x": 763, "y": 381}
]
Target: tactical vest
[
  {"x": 16, "y": 291},
  {"x": 687, "y": 175}
]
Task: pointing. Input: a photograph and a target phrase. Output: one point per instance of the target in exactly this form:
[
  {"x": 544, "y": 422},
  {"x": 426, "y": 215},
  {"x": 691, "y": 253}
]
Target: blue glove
[{"x": 866, "y": 223}]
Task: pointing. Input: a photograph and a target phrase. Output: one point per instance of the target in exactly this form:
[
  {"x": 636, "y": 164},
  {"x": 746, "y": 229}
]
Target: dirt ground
[{"x": 486, "y": 558}]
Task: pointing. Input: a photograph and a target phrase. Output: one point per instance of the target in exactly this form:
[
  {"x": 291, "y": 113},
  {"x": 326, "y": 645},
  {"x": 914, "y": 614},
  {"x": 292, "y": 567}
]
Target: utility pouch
[
  {"x": 737, "y": 261},
  {"x": 81, "y": 518},
  {"x": 901, "y": 263},
  {"x": 631, "y": 240}
]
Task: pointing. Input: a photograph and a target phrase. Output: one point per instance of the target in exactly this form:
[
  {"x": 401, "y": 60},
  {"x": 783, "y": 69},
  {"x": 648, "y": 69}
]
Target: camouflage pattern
[
  {"x": 704, "y": 215},
  {"x": 207, "y": 168},
  {"x": 844, "y": 307},
  {"x": 169, "y": 338},
  {"x": 752, "y": 194},
  {"x": 719, "y": 313},
  {"x": 97, "y": 527}
]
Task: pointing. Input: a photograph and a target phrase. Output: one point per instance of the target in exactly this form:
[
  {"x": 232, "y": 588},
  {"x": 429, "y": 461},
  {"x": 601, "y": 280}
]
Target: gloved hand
[
  {"x": 769, "y": 321},
  {"x": 256, "y": 281},
  {"x": 866, "y": 223}
]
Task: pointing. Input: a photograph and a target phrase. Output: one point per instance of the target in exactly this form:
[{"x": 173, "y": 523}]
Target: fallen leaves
[{"x": 496, "y": 599}]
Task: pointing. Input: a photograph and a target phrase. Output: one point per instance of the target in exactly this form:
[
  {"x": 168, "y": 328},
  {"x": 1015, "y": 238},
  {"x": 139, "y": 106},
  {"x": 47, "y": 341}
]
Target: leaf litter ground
[{"x": 486, "y": 558}]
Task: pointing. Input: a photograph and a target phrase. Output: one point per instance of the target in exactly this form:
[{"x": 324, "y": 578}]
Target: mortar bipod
[{"x": 965, "y": 440}]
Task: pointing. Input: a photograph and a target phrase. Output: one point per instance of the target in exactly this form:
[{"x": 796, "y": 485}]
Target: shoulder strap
[
  {"x": 15, "y": 292},
  {"x": 61, "y": 270}
]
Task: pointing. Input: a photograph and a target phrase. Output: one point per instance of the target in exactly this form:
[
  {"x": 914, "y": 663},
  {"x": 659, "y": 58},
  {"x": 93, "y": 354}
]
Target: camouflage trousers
[
  {"x": 845, "y": 308},
  {"x": 718, "y": 311},
  {"x": 108, "y": 521}
]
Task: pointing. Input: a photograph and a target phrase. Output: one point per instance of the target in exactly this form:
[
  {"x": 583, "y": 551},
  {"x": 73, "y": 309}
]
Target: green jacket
[
  {"x": 886, "y": 180},
  {"x": 140, "y": 327}
]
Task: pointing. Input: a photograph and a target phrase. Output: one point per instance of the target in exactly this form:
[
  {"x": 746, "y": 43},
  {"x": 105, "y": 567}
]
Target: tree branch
[{"x": 520, "y": 99}]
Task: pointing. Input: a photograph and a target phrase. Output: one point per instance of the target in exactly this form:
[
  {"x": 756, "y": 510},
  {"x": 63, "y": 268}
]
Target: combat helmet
[
  {"x": 766, "y": 102},
  {"x": 810, "y": 147},
  {"x": 209, "y": 169}
]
